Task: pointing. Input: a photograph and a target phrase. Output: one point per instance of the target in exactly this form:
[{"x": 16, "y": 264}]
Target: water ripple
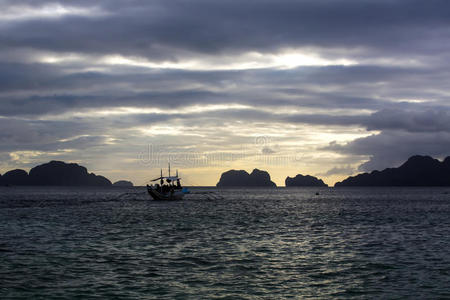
[{"x": 254, "y": 244}]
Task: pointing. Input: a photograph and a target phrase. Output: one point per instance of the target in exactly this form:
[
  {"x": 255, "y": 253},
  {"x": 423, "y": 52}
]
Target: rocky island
[
  {"x": 416, "y": 171},
  {"x": 304, "y": 180},
  {"x": 15, "y": 177},
  {"x": 123, "y": 183},
  {"x": 240, "y": 178},
  {"x": 55, "y": 173}
]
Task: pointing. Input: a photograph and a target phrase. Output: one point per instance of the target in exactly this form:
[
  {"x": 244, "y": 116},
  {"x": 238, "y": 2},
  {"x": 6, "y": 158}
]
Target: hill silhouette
[
  {"x": 416, "y": 171},
  {"x": 55, "y": 173},
  {"x": 240, "y": 178},
  {"x": 304, "y": 180},
  {"x": 123, "y": 183},
  {"x": 15, "y": 177}
]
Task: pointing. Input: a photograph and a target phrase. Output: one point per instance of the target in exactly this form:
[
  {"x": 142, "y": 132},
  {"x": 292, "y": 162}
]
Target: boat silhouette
[{"x": 169, "y": 188}]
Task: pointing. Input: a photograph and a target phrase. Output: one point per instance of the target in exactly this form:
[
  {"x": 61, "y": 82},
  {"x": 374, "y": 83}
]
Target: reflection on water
[{"x": 275, "y": 243}]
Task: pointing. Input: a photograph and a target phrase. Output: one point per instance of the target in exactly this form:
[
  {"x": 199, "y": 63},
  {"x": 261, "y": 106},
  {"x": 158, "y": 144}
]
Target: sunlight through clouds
[
  {"x": 105, "y": 79},
  {"x": 251, "y": 60},
  {"x": 48, "y": 11}
]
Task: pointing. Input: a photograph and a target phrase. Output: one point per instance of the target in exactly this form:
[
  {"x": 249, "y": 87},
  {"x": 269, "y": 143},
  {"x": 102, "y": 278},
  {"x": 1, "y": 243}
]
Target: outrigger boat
[{"x": 169, "y": 188}]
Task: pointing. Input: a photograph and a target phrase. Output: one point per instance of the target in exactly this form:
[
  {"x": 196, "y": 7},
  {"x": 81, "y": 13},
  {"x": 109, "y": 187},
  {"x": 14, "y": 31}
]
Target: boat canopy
[{"x": 171, "y": 178}]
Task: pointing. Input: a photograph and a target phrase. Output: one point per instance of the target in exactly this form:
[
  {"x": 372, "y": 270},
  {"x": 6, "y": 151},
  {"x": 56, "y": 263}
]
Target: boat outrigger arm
[{"x": 169, "y": 188}]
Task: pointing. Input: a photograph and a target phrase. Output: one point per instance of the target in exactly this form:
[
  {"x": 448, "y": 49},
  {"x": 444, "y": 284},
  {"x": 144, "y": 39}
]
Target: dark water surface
[{"x": 252, "y": 244}]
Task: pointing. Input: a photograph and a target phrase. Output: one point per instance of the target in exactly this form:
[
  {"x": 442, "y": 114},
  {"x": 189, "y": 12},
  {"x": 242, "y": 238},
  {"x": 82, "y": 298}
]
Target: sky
[{"x": 329, "y": 88}]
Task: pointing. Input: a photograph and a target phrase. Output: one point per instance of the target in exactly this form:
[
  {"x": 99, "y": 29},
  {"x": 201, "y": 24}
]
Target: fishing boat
[{"x": 169, "y": 188}]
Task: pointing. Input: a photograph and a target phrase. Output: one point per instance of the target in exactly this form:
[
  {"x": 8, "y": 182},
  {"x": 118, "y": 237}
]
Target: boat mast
[{"x": 168, "y": 180}]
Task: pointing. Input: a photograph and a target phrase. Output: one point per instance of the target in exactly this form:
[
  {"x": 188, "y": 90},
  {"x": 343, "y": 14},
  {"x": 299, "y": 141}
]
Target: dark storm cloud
[
  {"x": 400, "y": 47},
  {"x": 404, "y": 133},
  {"x": 17, "y": 76},
  {"x": 50, "y": 90},
  {"x": 426, "y": 120},
  {"x": 79, "y": 133},
  {"x": 47, "y": 77},
  {"x": 391, "y": 148},
  {"x": 409, "y": 121},
  {"x": 17, "y": 134},
  {"x": 152, "y": 28},
  {"x": 41, "y": 105},
  {"x": 338, "y": 171}
]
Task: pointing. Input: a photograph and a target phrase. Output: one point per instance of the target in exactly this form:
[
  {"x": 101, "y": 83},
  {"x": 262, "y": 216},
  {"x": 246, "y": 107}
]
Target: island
[
  {"x": 15, "y": 177},
  {"x": 416, "y": 171},
  {"x": 55, "y": 173},
  {"x": 123, "y": 183},
  {"x": 304, "y": 180},
  {"x": 240, "y": 178}
]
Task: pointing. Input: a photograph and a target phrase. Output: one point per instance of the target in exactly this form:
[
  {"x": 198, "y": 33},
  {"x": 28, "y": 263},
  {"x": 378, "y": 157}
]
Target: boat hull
[{"x": 170, "y": 196}]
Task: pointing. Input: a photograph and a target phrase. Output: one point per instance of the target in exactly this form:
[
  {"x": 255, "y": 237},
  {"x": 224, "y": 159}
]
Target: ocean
[{"x": 114, "y": 243}]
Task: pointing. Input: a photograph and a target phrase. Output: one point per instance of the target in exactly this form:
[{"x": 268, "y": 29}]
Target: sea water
[{"x": 86, "y": 243}]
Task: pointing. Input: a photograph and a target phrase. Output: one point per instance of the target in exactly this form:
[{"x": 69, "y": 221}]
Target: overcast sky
[{"x": 321, "y": 87}]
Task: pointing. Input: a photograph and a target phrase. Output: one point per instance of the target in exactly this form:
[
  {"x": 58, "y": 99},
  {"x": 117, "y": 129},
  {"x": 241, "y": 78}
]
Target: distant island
[
  {"x": 416, "y": 171},
  {"x": 240, "y": 178},
  {"x": 123, "y": 183},
  {"x": 304, "y": 180},
  {"x": 54, "y": 173},
  {"x": 15, "y": 177}
]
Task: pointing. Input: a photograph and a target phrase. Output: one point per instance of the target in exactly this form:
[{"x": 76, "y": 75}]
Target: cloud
[
  {"x": 41, "y": 89},
  {"x": 391, "y": 148},
  {"x": 346, "y": 170},
  {"x": 170, "y": 30},
  {"x": 84, "y": 80},
  {"x": 426, "y": 120}
]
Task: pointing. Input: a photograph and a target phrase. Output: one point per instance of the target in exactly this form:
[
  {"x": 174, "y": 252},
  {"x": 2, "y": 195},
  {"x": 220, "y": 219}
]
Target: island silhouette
[
  {"x": 15, "y": 177},
  {"x": 304, "y": 180},
  {"x": 240, "y": 178},
  {"x": 54, "y": 173},
  {"x": 123, "y": 183},
  {"x": 418, "y": 170}
]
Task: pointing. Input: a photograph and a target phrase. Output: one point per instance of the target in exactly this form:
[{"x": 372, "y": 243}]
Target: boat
[{"x": 169, "y": 188}]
